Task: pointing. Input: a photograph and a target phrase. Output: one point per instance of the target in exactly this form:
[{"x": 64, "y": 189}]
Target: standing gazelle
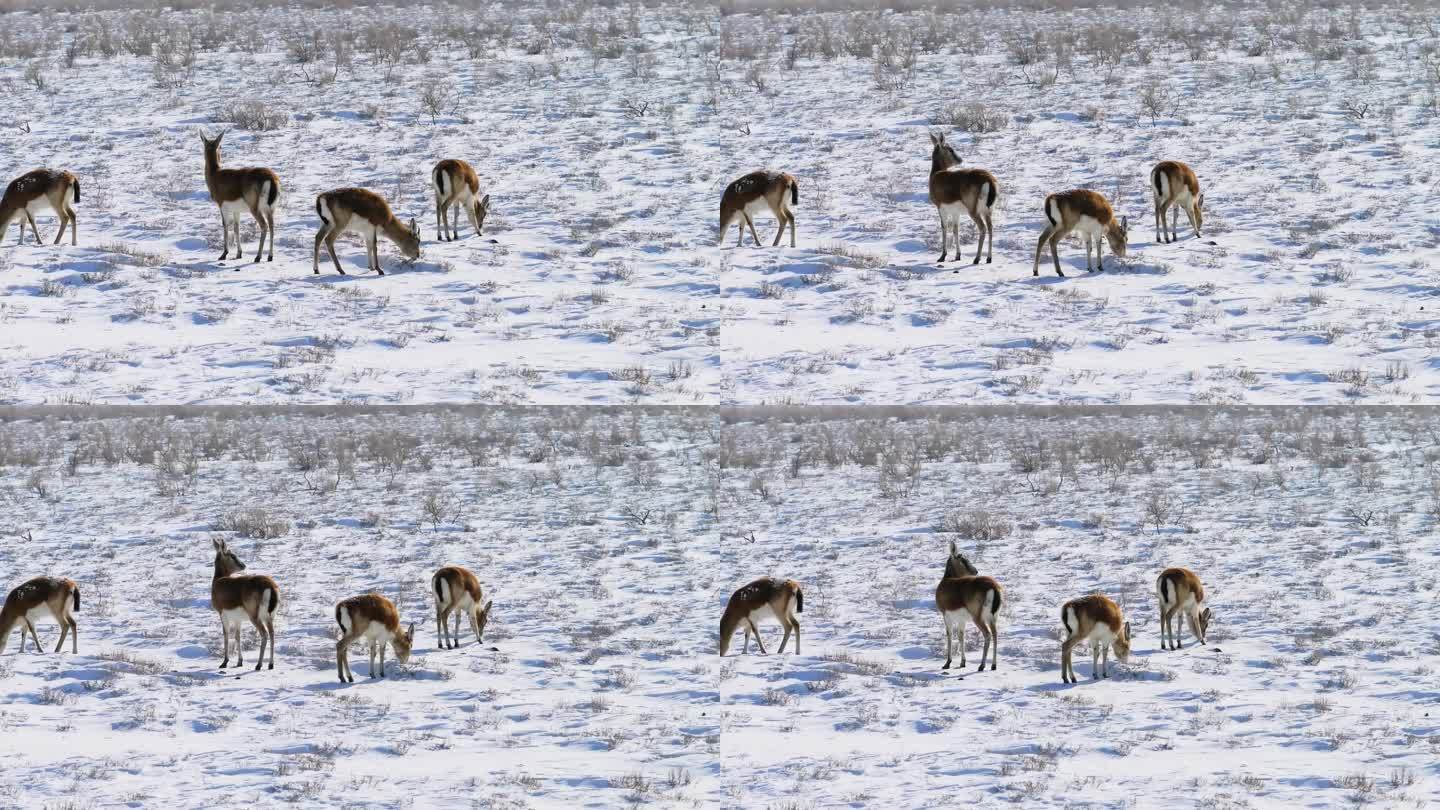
[
  {"x": 38, "y": 189},
  {"x": 755, "y": 192},
  {"x": 456, "y": 184},
  {"x": 374, "y": 618},
  {"x": 1176, "y": 185},
  {"x": 952, "y": 190},
  {"x": 1098, "y": 620},
  {"x": 1179, "y": 590},
  {"x": 237, "y": 596},
  {"x": 36, "y": 598},
  {"x": 961, "y": 595},
  {"x": 1089, "y": 213},
  {"x": 237, "y": 190},
  {"x": 366, "y": 213},
  {"x": 458, "y": 591},
  {"x": 766, "y": 597}
]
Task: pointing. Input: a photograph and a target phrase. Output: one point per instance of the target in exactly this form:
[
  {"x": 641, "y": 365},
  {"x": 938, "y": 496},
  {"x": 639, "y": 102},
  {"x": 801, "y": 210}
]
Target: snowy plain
[
  {"x": 1313, "y": 530},
  {"x": 586, "y": 287},
  {"x": 1312, "y": 130},
  {"x": 588, "y": 528}
]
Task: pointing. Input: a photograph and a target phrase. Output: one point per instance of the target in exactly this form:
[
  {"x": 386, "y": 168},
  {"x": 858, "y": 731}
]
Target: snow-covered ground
[
  {"x": 1314, "y": 532},
  {"x": 591, "y": 530},
  {"x": 588, "y": 285},
  {"x": 1313, "y": 133}
]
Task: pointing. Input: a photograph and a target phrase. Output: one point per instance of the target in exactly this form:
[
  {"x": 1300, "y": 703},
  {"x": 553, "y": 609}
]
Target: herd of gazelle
[
  {"x": 955, "y": 190},
  {"x": 237, "y": 597},
  {"x": 256, "y": 190},
  {"x": 964, "y": 596}
]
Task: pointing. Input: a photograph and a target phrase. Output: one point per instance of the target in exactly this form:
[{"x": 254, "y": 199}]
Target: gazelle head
[
  {"x": 410, "y": 243},
  {"x": 1118, "y": 235},
  {"x": 957, "y": 566},
  {"x": 226, "y": 563},
  {"x": 943, "y": 156},
  {"x": 403, "y": 642},
  {"x": 212, "y": 145},
  {"x": 1121, "y": 644},
  {"x": 1204, "y": 623},
  {"x": 482, "y": 618},
  {"x": 481, "y": 209},
  {"x": 1200, "y": 211}
]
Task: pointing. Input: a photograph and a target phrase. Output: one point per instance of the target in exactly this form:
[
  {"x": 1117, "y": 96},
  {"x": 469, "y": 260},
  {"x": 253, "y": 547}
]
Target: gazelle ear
[
  {"x": 1127, "y": 629},
  {"x": 1200, "y": 201},
  {"x": 1125, "y": 224},
  {"x": 219, "y": 544},
  {"x": 486, "y": 609},
  {"x": 411, "y": 631},
  {"x": 485, "y": 202},
  {"x": 415, "y": 229},
  {"x": 953, "y": 552}
]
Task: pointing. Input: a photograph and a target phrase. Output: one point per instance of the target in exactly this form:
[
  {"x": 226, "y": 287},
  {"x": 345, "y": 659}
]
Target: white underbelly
[
  {"x": 757, "y": 206},
  {"x": 233, "y": 615},
  {"x": 376, "y": 632},
  {"x": 39, "y": 204},
  {"x": 41, "y": 611}
]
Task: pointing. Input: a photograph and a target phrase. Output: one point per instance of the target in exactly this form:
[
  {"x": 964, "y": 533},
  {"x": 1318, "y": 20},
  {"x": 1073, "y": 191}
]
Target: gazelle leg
[
  {"x": 790, "y": 216},
  {"x": 225, "y": 236},
  {"x": 1190, "y": 214},
  {"x": 64, "y": 631},
  {"x": 1095, "y": 660},
  {"x": 60, "y": 213},
  {"x": 796, "y": 623},
  {"x": 994, "y": 645},
  {"x": 1174, "y": 221},
  {"x": 34, "y": 229},
  {"x": 1055, "y": 250},
  {"x": 440, "y": 216},
  {"x": 374, "y": 255},
  {"x": 440, "y": 621},
  {"x": 784, "y": 625},
  {"x": 474, "y": 626},
  {"x": 753, "y": 235},
  {"x": 264, "y": 639},
  {"x": 1100, "y": 253},
  {"x": 1040, "y": 248},
  {"x": 22, "y": 229},
  {"x": 980, "y": 226},
  {"x": 239, "y": 648},
  {"x": 985, "y": 650},
  {"x": 949, "y": 642},
  {"x": 1067, "y": 671},
  {"x": 756, "y": 631},
  {"x": 33, "y": 637},
  {"x": 990, "y": 238},
  {"x": 259, "y": 223},
  {"x": 225, "y": 632},
  {"x": 944, "y": 238},
  {"x": 1105, "y": 659},
  {"x": 74, "y": 635},
  {"x": 319, "y": 238},
  {"x": 382, "y": 659},
  {"x": 330, "y": 246}
]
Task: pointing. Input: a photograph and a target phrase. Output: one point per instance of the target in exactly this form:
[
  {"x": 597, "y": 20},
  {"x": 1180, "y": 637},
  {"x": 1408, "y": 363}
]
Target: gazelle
[
  {"x": 33, "y": 600},
  {"x": 1098, "y": 620},
  {"x": 961, "y": 595},
  {"x": 36, "y": 190},
  {"x": 1089, "y": 213},
  {"x": 366, "y": 213},
  {"x": 953, "y": 189},
  {"x": 1176, "y": 185},
  {"x": 458, "y": 591},
  {"x": 1180, "y": 590},
  {"x": 237, "y": 596},
  {"x": 764, "y": 598},
  {"x": 756, "y": 192},
  {"x": 456, "y": 184},
  {"x": 375, "y": 618},
  {"x": 237, "y": 190}
]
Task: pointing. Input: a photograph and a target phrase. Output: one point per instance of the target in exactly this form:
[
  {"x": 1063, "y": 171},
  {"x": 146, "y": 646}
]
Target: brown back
[
  {"x": 247, "y": 184},
  {"x": 55, "y": 591},
  {"x": 967, "y": 593},
  {"x": 459, "y": 579},
  {"x": 35, "y": 183},
  {"x": 458, "y": 170},
  {"x": 230, "y": 589},
  {"x": 962, "y": 186},
  {"x": 368, "y": 608},
  {"x": 1094, "y": 609},
  {"x": 757, "y": 184},
  {"x": 1178, "y": 173},
  {"x": 1080, "y": 202},
  {"x": 1182, "y": 581}
]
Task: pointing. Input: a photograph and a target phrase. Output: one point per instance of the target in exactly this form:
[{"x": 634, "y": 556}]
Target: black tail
[
  {"x": 1049, "y": 215},
  {"x": 337, "y": 618},
  {"x": 1164, "y": 580},
  {"x": 1065, "y": 620},
  {"x": 1155, "y": 178},
  {"x": 274, "y": 193},
  {"x": 274, "y": 600},
  {"x": 439, "y": 184},
  {"x": 794, "y": 192},
  {"x": 799, "y": 601},
  {"x": 438, "y": 594},
  {"x": 76, "y": 186},
  {"x": 77, "y": 598},
  {"x": 320, "y": 213},
  {"x": 990, "y": 200},
  {"x": 995, "y": 604}
]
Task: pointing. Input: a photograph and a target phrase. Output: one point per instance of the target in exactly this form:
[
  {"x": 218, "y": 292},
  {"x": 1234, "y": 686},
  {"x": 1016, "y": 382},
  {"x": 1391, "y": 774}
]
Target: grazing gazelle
[
  {"x": 952, "y": 190},
  {"x": 375, "y": 618},
  {"x": 456, "y": 184},
  {"x": 250, "y": 189},
  {"x": 766, "y": 597},
  {"x": 366, "y": 213},
  {"x": 237, "y": 596},
  {"x": 38, "y": 189},
  {"x": 1176, "y": 185},
  {"x": 961, "y": 595},
  {"x": 458, "y": 591},
  {"x": 1089, "y": 213},
  {"x": 1180, "y": 590},
  {"x": 756, "y": 192},
  {"x": 36, "y": 598},
  {"x": 1098, "y": 620}
]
